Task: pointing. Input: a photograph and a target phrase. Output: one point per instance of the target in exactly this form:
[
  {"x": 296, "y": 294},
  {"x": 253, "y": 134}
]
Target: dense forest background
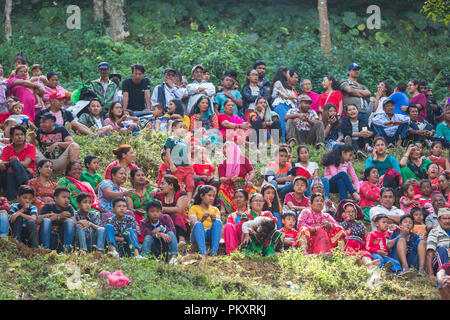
[{"x": 232, "y": 34}]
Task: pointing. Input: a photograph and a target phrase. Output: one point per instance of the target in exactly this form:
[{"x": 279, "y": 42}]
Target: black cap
[
  {"x": 47, "y": 116},
  {"x": 168, "y": 70}
]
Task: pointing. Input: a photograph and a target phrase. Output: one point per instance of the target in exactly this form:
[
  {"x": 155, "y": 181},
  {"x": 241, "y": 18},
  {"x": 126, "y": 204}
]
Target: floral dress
[{"x": 43, "y": 194}]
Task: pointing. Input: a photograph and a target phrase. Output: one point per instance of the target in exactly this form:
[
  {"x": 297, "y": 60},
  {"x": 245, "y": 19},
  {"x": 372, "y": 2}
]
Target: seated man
[
  {"x": 17, "y": 162},
  {"x": 391, "y": 126},
  {"x": 62, "y": 116},
  {"x": 418, "y": 131},
  {"x": 303, "y": 124},
  {"x": 54, "y": 143},
  {"x": 438, "y": 243}
]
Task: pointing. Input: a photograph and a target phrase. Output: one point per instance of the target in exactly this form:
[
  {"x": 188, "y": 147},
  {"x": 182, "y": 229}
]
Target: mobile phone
[{"x": 364, "y": 128}]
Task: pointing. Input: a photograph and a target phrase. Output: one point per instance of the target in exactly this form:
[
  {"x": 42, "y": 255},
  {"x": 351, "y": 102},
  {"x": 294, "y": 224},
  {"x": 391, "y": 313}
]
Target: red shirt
[
  {"x": 164, "y": 169},
  {"x": 290, "y": 197},
  {"x": 334, "y": 97},
  {"x": 376, "y": 241},
  {"x": 28, "y": 151},
  {"x": 291, "y": 235},
  {"x": 206, "y": 169},
  {"x": 4, "y": 116}
]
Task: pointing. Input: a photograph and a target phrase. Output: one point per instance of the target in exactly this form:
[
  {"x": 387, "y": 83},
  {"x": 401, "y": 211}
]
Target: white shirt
[
  {"x": 192, "y": 91},
  {"x": 382, "y": 210}
]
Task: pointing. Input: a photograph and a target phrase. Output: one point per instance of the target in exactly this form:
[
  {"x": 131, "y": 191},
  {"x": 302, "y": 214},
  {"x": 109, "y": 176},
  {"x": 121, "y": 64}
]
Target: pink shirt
[
  {"x": 315, "y": 101},
  {"x": 331, "y": 170}
]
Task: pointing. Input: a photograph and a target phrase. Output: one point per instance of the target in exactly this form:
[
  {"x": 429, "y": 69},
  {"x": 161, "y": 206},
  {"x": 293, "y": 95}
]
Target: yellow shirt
[
  {"x": 186, "y": 120},
  {"x": 198, "y": 212}
]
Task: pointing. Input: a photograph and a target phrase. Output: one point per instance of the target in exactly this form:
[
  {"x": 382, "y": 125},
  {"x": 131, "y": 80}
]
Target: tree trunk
[
  {"x": 325, "y": 40},
  {"x": 8, "y": 27},
  {"x": 116, "y": 20},
  {"x": 98, "y": 10}
]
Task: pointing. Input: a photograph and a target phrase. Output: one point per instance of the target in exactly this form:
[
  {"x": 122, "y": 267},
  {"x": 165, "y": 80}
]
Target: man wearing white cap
[
  {"x": 438, "y": 243},
  {"x": 198, "y": 87}
]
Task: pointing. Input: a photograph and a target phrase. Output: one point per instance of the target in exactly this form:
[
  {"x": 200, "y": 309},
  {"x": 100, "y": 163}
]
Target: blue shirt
[
  {"x": 221, "y": 97},
  {"x": 400, "y": 99}
]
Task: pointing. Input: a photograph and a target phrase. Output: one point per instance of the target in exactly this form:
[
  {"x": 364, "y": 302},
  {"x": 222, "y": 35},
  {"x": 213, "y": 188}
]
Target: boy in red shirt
[
  {"x": 376, "y": 244},
  {"x": 289, "y": 219},
  {"x": 164, "y": 169}
]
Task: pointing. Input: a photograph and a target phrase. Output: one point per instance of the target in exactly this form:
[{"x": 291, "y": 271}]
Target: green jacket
[{"x": 107, "y": 98}]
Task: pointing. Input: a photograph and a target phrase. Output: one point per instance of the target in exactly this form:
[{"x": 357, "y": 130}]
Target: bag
[{"x": 87, "y": 94}]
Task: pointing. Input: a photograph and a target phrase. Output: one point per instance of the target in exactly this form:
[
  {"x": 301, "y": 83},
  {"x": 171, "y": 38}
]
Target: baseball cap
[
  {"x": 443, "y": 211},
  {"x": 170, "y": 69},
  {"x": 377, "y": 217},
  {"x": 57, "y": 95},
  {"x": 353, "y": 66},
  {"x": 304, "y": 97},
  {"x": 387, "y": 101},
  {"x": 197, "y": 66},
  {"x": 47, "y": 116},
  {"x": 103, "y": 65}
]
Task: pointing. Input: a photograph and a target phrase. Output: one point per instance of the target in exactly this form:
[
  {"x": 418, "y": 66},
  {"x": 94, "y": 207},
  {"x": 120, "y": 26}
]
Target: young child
[
  {"x": 89, "y": 232},
  {"x": 407, "y": 247},
  {"x": 277, "y": 171},
  {"x": 436, "y": 156},
  {"x": 407, "y": 201},
  {"x": 57, "y": 219},
  {"x": 164, "y": 168},
  {"x": 204, "y": 219},
  {"x": 419, "y": 216},
  {"x": 424, "y": 198},
  {"x": 297, "y": 201},
  {"x": 228, "y": 93},
  {"x": 356, "y": 234},
  {"x": 23, "y": 119},
  {"x": 116, "y": 118},
  {"x": 23, "y": 216},
  {"x": 203, "y": 168},
  {"x": 158, "y": 121},
  {"x": 90, "y": 175},
  {"x": 178, "y": 157},
  {"x": 376, "y": 244},
  {"x": 131, "y": 122},
  {"x": 122, "y": 232},
  {"x": 263, "y": 239},
  {"x": 158, "y": 228},
  {"x": 41, "y": 80},
  {"x": 289, "y": 220}
]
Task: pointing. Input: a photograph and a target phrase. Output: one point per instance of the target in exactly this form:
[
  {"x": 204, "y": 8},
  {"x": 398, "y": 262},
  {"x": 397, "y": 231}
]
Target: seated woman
[
  {"x": 332, "y": 126},
  {"x": 111, "y": 189},
  {"x": 340, "y": 173},
  {"x": 272, "y": 203},
  {"x": 348, "y": 211},
  {"x": 436, "y": 156},
  {"x": 230, "y": 233},
  {"x": 175, "y": 111},
  {"x": 232, "y": 127},
  {"x": 174, "y": 202},
  {"x": 355, "y": 129},
  {"x": 444, "y": 185},
  {"x": 125, "y": 158},
  {"x": 313, "y": 224},
  {"x": 94, "y": 118},
  {"x": 52, "y": 87},
  {"x": 42, "y": 185},
  {"x": 204, "y": 122},
  {"x": 142, "y": 193},
  {"x": 369, "y": 192},
  {"x": 263, "y": 119},
  {"x": 235, "y": 172},
  {"x": 265, "y": 238},
  {"x": 22, "y": 88},
  {"x": 413, "y": 167},
  {"x": 72, "y": 182},
  {"x": 204, "y": 220},
  {"x": 120, "y": 121}
]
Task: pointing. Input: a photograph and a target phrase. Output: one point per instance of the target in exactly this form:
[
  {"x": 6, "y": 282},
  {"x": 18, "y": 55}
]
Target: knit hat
[{"x": 443, "y": 211}]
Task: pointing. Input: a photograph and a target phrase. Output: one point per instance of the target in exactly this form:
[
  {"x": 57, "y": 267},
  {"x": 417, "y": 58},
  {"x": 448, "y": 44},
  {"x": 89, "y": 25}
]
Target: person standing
[
  {"x": 355, "y": 93},
  {"x": 105, "y": 88},
  {"x": 136, "y": 90},
  {"x": 198, "y": 87},
  {"x": 260, "y": 67}
]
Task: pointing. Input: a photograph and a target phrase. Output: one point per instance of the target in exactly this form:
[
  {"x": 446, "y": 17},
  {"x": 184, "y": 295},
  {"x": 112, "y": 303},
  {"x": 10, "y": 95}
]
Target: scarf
[
  {"x": 86, "y": 188},
  {"x": 232, "y": 162}
]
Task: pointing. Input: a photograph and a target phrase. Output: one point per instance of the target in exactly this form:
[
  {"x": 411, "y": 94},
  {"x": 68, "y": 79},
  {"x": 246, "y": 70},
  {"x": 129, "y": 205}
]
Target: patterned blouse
[
  {"x": 310, "y": 219},
  {"x": 355, "y": 230},
  {"x": 139, "y": 202},
  {"x": 165, "y": 221},
  {"x": 42, "y": 194},
  {"x": 370, "y": 194}
]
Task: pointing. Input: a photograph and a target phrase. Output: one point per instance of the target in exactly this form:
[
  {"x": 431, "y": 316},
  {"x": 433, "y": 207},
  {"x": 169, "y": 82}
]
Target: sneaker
[
  {"x": 114, "y": 254},
  {"x": 407, "y": 273},
  {"x": 292, "y": 143},
  {"x": 174, "y": 261},
  {"x": 139, "y": 257},
  {"x": 421, "y": 273}
]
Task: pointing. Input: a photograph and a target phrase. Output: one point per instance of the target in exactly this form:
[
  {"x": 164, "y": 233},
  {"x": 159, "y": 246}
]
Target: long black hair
[
  {"x": 276, "y": 204},
  {"x": 335, "y": 155},
  {"x": 280, "y": 75},
  {"x": 202, "y": 190},
  {"x": 179, "y": 109}
]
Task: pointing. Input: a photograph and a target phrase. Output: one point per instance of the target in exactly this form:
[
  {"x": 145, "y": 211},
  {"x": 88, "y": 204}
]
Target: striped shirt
[{"x": 438, "y": 237}]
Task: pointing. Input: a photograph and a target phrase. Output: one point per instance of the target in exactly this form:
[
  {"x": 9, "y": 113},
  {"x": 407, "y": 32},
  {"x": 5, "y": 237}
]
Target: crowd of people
[{"x": 404, "y": 202}]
